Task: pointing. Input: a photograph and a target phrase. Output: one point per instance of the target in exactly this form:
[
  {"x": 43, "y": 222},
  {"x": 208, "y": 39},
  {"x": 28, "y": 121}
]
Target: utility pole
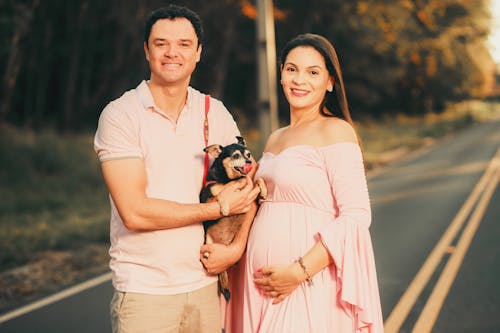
[{"x": 266, "y": 71}]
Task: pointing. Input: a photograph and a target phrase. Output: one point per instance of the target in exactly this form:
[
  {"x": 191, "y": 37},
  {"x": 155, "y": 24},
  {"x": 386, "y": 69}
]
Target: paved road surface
[{"x": 414, "y": 203}]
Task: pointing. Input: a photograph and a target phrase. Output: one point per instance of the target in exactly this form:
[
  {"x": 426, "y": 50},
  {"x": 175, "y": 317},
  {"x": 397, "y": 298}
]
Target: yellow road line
[
  {"x": 410, "y": 296},
  {"x": 432, "y": 308}
]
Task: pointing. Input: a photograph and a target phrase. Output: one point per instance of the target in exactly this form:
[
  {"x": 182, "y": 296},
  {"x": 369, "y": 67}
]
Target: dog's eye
[
  {"x": 248, "y": 155},
  {"x": 236, "y": 156}
]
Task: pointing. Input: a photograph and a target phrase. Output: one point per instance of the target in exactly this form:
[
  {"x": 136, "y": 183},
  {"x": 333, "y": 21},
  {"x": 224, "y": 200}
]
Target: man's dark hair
[{"x": 172, "y": 12}]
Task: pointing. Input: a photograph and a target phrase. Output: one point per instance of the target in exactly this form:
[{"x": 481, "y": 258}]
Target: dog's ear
[
  {"x": 241, "y": 141},
  {"x": 213, "y": 150}
]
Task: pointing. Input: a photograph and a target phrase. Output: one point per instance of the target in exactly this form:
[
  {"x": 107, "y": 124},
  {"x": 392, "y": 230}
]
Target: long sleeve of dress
[{"x": 348, "y": 239}]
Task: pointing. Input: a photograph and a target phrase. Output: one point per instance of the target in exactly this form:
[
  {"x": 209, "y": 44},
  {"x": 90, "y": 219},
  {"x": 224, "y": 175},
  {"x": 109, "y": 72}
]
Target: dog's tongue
[{"x": 247, "y": 168}]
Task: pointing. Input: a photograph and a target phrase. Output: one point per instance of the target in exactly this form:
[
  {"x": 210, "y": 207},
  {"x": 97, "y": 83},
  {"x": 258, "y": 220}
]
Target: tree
[
  {"x": 21, "y": 19},
  {"x": 427, "y": 52},
  {"x": 63, "y": 61},
  {"x": 408, "y": 56}
]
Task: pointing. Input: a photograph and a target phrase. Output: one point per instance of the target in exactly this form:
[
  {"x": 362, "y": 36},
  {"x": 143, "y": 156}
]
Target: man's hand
[
  {"x": 218, "y": 257},
  {"x": 238, "y": 195}
]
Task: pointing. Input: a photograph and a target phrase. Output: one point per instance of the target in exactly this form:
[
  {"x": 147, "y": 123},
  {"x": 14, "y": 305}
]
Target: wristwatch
[{"x": 224, "y": 207}]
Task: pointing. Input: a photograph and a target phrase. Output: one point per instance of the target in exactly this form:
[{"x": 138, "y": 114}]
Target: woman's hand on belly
[{"x": 278, "y": 281}]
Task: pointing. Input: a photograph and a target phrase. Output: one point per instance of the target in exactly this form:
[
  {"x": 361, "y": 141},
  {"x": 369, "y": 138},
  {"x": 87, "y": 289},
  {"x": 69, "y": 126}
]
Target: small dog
[{"x": 231, "y": 163}]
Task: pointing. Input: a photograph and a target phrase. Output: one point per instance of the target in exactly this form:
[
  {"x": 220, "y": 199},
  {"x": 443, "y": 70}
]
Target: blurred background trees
[{"x": 62, "y": 61}]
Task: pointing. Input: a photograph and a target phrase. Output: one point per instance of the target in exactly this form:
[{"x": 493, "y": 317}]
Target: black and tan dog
[{"x": 231, "y": 163}]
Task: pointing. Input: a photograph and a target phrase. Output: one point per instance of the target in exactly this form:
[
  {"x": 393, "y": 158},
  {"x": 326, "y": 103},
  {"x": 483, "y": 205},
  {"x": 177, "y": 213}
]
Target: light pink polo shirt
[{"x": 164, "y": 261}]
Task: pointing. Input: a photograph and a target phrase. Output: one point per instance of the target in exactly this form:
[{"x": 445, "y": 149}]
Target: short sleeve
[
  {"x": 117, "y": 135},
  {"x": 225, "y": 128},
  {"x": 348, "y": 239}
]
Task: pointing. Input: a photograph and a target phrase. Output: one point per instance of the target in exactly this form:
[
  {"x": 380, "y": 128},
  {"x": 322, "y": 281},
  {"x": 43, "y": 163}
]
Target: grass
[
  {"x": 53, "y": 197},
  {"x": 393, "y": 136},
  {"x": 52, "y": 194}
]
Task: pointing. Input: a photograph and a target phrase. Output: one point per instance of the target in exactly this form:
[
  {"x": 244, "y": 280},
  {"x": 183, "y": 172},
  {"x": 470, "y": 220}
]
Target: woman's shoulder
[
  {"x": 274, "y": 137},
  {"x": 335, "y": 130}
]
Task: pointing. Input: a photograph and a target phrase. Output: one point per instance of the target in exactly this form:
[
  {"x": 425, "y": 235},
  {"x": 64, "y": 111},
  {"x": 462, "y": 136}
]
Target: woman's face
[{"x": 305, "y": 78}]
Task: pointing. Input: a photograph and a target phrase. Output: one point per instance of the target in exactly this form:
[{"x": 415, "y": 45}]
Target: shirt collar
[
  {"x": 148, "y": 103},
  {"x": 145, "y": 96}
]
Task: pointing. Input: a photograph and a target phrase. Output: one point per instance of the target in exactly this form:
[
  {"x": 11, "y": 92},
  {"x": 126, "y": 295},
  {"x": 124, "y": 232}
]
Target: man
[{"x": 150, "y": 143}]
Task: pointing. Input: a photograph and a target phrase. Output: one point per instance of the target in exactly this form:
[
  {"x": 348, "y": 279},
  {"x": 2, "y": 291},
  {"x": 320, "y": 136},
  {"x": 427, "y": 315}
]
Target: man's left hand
[{"x": 218, "y": 257}]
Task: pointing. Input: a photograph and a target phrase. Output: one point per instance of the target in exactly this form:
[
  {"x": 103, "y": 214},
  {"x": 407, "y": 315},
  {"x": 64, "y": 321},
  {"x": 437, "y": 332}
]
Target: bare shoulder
[
  {"x": 334, "y": 130},
  {"x": 274, "y": 137}
]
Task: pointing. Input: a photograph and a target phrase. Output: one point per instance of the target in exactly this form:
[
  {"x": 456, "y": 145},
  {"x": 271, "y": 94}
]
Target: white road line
[{"x": 56, "y": 297}]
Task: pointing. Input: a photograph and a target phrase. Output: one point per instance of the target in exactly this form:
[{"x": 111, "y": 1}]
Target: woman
[{"x": 309, "y": 265}]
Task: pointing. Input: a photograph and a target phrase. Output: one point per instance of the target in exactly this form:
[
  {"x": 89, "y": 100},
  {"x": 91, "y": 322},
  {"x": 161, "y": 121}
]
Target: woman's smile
[{"x": 298, "y": 92}]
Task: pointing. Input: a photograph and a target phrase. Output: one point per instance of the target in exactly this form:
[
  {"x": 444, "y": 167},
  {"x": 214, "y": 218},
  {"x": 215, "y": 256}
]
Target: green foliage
[
  {"x": 52, "y": 194},
  {"x": 66, "y": 60}
]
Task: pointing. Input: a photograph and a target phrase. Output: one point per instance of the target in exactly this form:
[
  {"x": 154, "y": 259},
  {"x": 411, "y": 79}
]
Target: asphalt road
[{"x": 414, "y": 203}]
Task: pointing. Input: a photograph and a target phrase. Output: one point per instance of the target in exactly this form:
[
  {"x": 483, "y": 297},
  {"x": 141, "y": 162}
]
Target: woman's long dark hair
[{"x": 335, "y": 102}]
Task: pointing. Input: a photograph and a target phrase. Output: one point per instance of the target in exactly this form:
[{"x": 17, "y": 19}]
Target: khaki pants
[{"x": 193, "y": 312}]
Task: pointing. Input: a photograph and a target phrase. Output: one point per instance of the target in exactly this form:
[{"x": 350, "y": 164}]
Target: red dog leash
[{"x": 205, "y": 133}]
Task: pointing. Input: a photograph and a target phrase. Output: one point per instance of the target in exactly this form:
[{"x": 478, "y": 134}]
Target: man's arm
[
  {"x": 221, "y": 256},
  {"x": 126, "y": 181}
]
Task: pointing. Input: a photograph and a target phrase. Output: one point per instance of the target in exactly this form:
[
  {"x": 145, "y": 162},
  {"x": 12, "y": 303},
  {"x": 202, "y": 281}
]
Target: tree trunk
[
  {"x": 22, "y": 25},
  {"x": 10, "y": 76},
  {"x": 42, "y": 81},
  {"x": 428, "y": 104},
  {"x": 70, "y": 106},
  {"x": 222, "y": 64}
]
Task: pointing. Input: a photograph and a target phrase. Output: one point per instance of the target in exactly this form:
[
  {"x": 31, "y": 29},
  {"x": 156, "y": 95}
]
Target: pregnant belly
[{"x": 282, "y": 232}]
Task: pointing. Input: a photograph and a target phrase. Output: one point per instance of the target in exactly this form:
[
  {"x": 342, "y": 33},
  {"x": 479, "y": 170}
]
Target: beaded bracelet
[{"x": 309, "y": 280}]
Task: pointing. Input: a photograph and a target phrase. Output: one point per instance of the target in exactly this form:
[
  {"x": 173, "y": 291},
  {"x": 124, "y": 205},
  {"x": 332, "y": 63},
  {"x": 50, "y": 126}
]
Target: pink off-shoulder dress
[{"x": 315, "y": 194}]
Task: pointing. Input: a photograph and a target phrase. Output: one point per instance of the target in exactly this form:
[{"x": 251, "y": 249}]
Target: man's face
[{"x": 172, "y": 51}]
